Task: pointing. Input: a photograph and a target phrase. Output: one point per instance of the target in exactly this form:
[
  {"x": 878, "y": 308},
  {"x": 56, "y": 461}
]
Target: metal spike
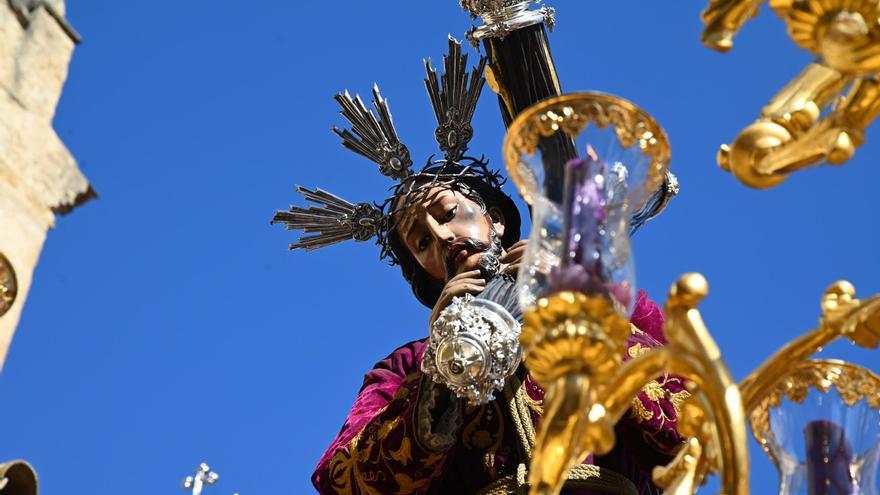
[
  {"x": 374, "y": 139},
  {"x": 333, "y": 218},
  {"x": 454, "y": 99}
]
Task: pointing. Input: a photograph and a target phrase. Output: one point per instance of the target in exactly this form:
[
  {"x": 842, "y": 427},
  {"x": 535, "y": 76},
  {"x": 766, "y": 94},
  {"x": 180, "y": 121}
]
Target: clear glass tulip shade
[
  {"x": 581, "y": 211},
  {"x": 825, "y": 447}
]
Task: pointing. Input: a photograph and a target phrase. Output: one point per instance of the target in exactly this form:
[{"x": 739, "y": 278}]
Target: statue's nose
[{"x": 440, "y": 232}]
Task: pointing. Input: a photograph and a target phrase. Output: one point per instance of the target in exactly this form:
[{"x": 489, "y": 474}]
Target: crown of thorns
[{"x": 331, "y": 219}]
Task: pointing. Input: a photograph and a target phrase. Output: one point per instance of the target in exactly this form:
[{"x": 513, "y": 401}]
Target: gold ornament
[
  {"x": 791, "y": 132},
  {"x": 8, "y": 285}
]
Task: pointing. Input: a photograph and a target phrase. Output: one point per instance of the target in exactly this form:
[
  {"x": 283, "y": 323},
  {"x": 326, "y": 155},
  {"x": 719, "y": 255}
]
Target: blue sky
[{"x": 169, "y": 325}]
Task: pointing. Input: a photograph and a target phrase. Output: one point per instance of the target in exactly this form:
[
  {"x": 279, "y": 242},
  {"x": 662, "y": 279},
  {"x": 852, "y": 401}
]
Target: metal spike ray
[
  {"x": 372, "y": 138},
  {"x": 371, "y": 134},
  {"x": 335, "y": 220},
  {"x": 455, "y": 100}
]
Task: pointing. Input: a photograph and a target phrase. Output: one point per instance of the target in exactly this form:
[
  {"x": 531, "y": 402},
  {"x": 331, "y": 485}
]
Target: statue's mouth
[{"x": 458, "y": 252}]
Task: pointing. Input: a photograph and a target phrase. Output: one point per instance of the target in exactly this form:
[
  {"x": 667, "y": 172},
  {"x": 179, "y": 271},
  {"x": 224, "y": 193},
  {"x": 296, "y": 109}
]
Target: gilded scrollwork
[
  {"x": 571, "y": 327},
  {"x": 813, "y": 119},
  {"x": 588, "y": 390},
  {"x": 572, "y": 114},
  {"x": 723, "y": 18},
  {"x": 680, "y": 477},
  {"x": 843, "y": 32},
  {"x": 853, "y": 383},
  {"x": 844, "y": 316}
]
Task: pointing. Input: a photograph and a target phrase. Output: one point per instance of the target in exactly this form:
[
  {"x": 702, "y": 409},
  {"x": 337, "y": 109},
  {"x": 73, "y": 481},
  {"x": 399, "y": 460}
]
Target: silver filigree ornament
[
  {"x": 331, "y": 219},
  {"x": 454, "y": 97},
  {"x": 473, "y": 348},
  {"x": 502, "y": 17}
]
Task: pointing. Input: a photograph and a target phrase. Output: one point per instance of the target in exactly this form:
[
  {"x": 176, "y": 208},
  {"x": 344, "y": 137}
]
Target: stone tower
[{"x": 39, "y": 178}]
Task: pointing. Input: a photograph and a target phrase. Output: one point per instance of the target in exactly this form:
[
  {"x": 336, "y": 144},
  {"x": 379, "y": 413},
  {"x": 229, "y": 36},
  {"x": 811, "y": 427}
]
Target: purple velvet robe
[{"x": 396, "y": 442}]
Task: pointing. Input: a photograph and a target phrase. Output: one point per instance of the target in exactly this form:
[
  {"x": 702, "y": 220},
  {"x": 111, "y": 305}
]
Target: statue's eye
[{"x": 450, "y": 214}]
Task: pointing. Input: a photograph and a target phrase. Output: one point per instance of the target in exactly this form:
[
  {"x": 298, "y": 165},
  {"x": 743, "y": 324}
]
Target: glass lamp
[
  {"x": 583, "y": 209},
  {"x": 576, "y": 285},
  {"x": 821, "y": 428}
]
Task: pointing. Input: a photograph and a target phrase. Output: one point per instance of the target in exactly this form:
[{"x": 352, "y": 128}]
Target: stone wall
[{"x": 38, "y": 176}]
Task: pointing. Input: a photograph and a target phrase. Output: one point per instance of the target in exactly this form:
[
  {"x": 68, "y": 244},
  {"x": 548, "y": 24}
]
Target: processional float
[{"x": 587, "y": 163}]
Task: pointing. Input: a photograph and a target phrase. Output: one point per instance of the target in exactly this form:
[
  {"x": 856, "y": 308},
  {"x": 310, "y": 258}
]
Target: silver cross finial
[{"x": 204, "y": 476}]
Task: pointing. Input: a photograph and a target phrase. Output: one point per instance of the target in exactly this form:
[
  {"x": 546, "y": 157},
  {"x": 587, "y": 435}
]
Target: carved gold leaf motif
[
  {"x": 814, "y": 119},
  {"x": 852, "y": 382},
  {"x": 572, "y": 114}
]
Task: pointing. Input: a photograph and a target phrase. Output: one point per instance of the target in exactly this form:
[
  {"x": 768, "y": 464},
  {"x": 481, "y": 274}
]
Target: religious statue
[{"x": 456, "y": 237}]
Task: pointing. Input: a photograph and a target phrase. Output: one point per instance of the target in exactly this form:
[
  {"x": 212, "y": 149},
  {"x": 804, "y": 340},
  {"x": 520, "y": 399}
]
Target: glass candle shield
[
  {"x": 821, "y": 427},
  {"x": 586, "y": 163}
]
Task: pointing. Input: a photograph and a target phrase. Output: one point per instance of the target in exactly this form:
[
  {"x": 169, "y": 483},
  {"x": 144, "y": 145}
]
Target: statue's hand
[
  {"x": 512, "y": 259},
  {"x": 459, "y": 285}
]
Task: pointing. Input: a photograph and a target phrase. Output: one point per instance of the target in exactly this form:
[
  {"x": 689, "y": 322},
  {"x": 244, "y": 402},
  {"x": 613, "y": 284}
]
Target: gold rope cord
[
  {"x": 519, "y": 412},
  {"x": 581, "y": 477}
]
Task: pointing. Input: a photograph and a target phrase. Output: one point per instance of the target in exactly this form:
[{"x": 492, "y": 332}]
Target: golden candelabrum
[
  {"x": 575, "y": 341},
  {"x": 821, "y": 115}
]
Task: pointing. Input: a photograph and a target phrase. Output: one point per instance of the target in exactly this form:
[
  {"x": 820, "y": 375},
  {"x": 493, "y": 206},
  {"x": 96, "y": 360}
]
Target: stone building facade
[{"x": 39, "y": 178}]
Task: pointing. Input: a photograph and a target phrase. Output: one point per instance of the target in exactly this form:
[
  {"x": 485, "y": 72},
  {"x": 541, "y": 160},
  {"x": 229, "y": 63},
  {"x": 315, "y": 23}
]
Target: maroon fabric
[
  {"x": 380, "y": 385},
  {"x": 648, "y": 317},
  {"x": 379, "y": 450}
]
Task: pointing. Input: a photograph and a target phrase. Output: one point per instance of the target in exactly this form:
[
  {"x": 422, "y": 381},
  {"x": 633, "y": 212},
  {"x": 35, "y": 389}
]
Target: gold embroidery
[
  {"x": 640, "y": 413},
  {"x": 404, "y": 453},
  {"x": 655, "y": 391},
  {"x": 432, "y": 460},
  {"x": 467, "y": 434},
  {"x": 485, "y": 432},
  {"x": 637, "y": 350},
  {"x": 407, "y": 484},
  {"x": 386, "y": 428},
  {"x": 344, "y": 469},
  {"x": 371, "y": 458},
  {"x": 677, "y": 399}
]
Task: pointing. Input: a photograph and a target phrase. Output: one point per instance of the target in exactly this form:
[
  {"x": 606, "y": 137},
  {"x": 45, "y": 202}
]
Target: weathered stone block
[
  {"x": 38, "y": 175},
  {"x": 41, "y": 66},
  {"x": 11, "y": 33}
]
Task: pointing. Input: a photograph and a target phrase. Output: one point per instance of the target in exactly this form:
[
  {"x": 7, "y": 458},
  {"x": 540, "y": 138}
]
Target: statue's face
[{"x": 447, "y": 232}]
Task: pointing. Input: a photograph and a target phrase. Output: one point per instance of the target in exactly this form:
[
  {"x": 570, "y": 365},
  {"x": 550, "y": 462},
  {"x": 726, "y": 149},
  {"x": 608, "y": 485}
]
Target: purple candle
[
  {"x": 584, "y": 216},
  {"x": 829, "y": 456},
  {"x": 595, "y": 258}
]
